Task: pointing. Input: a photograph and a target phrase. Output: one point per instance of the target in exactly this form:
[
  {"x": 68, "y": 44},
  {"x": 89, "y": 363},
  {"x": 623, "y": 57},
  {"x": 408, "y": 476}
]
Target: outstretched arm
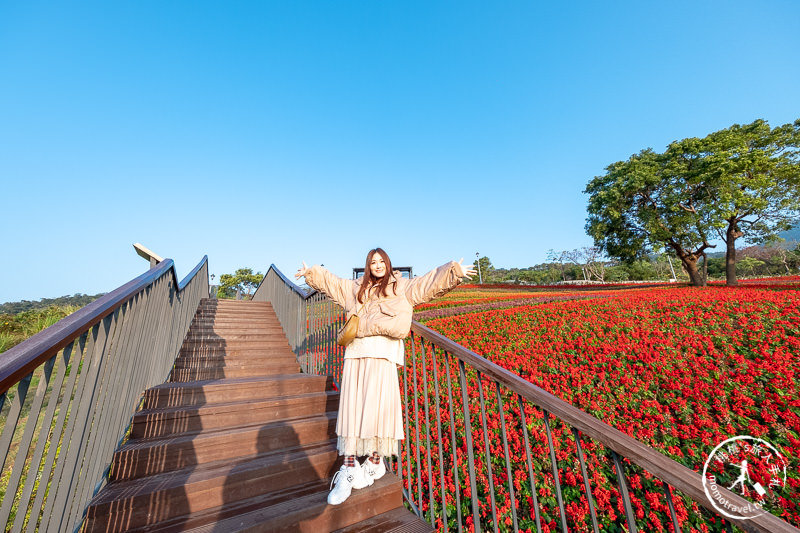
[
  {"x": 437, "y": 282},
  {"x": 322, "y": 280}
]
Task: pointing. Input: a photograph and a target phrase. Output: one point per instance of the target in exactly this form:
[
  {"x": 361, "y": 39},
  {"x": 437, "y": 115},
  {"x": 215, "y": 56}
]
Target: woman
[{"x": 370, "y": 421}]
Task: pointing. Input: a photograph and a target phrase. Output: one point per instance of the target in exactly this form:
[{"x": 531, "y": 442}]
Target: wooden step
[
  {"x": 225, "y": 351},
  {"x": 234, "y": 323},
  {"x": 143, "y": 457},
  {"x": 166, "y": 421},
  {"x": 265, "y": 342},
  {"x": 304, "y": 509},
  {"x": 193, "y": 374},
  {"x": 225, "y": 332},
  {"x": 399, "y": 520},
  {"x": 221, "y": 360},
  {"x": 163, "y": 497},
  {"x": 231, "y": 390}
]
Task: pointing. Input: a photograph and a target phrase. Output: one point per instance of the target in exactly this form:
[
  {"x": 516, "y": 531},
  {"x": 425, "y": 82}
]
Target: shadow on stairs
[{"x": 238, "y": 440}]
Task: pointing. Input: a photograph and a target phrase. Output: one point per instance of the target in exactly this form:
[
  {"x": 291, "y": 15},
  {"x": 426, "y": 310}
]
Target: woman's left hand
[{"x": 467, "y": 271}]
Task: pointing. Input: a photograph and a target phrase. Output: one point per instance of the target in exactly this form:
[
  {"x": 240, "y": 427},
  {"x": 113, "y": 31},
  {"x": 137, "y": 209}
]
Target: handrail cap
[{"x": 147, "y": 254}]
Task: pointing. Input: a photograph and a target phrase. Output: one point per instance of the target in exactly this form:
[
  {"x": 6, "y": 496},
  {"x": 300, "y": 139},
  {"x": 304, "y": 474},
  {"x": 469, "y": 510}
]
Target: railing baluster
[
  {"x": 623, "y": 487},
  {"x": 10, "y": 427},
  {"x": 476, "y": 516},
  {"x": 431, "y": 505},
  {"x": 64, "y": 481},
  {"x": 44, "y": 438},
  {"x": 453, "y": 439},
  {"x": 24, "y": 445},
  {"x": 84, "y": 419},
  {"x": 407, "y": 441},
  {"x": 531, "y": 475},
  {"x": 58, "y": 435},
  {"x": 408, "y": 489},
  {"x": 490, "y": 474},
  {"x": 509, "y": 473},
  {"x": 416, "y": 425},
  {"x": 554, "y": 467},
  {"x": 435, "y": 364},
  {"x": 586, "y": 485},
  {"x": 668, "y": 493},
  {"x": 99, "y": 426}
]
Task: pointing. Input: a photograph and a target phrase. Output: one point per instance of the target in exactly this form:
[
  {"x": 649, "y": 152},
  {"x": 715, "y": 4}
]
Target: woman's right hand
[{"x": 301, "y": 272}]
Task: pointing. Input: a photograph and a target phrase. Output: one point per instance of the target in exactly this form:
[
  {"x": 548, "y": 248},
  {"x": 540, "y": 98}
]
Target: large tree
[
  {"x": 743, "y": 181},
  {"x": 241, "y": 282},
  {"x": 753, "y": 179},
  {"x": 644, "y": 205}
]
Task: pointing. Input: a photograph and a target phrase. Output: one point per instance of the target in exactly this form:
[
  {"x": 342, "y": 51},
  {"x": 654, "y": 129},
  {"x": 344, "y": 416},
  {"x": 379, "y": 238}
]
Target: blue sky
[{"x": 275, "y": 132}]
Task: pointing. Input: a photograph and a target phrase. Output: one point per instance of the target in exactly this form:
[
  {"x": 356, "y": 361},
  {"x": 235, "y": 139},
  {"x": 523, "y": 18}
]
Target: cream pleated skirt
[{"x": 370, "y": 411}]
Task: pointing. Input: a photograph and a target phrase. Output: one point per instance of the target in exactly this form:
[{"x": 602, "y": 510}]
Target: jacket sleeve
[
  {"x": 332, "y": 286},
  {"x": 434, "y": 284}
]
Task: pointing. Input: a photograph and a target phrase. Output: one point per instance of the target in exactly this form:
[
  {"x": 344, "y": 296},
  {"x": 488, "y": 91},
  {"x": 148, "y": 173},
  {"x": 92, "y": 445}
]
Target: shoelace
[{"x": 336, "y": 478}]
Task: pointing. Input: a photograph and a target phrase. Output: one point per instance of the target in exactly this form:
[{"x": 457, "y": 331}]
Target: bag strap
[{"x": 365, "y": 303}]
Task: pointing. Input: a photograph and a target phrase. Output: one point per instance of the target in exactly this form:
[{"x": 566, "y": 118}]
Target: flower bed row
[
  {"x": 461, "y": 308},
  {"x": 680, "y": 370}
]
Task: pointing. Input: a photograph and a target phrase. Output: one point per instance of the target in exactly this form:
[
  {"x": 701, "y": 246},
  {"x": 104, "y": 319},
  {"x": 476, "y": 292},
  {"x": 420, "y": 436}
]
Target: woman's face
[{"x": 377, "y": 267}]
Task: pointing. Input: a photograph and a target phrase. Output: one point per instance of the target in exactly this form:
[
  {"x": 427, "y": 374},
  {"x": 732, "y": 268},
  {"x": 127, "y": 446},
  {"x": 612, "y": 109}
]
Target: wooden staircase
[{"x": 238, "y": 440}]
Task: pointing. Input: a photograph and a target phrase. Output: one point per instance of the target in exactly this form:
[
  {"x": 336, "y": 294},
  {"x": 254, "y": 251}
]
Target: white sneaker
[
  {"x": 346, "y": 479},
  {"x": 374, "y": 471}
]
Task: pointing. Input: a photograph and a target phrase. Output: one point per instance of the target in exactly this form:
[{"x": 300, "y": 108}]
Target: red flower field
[{"x": 680, "y": 369}]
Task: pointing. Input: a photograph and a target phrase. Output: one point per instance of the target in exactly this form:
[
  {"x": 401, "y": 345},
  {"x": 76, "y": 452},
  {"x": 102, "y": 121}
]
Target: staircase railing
[
  {"x": 309, "y": 320},
  {"x": 523, "y": 459},
  {"x": 68, "y": 393}
]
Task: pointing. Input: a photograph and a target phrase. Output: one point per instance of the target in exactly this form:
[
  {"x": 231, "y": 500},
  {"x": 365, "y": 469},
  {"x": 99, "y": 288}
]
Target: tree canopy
[
  {"x": 743, "y": 181},
  {"x": 242, "y": 281}
]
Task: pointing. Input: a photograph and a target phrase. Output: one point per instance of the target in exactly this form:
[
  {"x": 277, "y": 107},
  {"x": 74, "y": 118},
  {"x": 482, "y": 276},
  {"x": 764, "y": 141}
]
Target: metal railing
[
  {"x": 68, "y": 393},
  {"x": 309, "y": 320},
  {"x": 487, "y": 450}
]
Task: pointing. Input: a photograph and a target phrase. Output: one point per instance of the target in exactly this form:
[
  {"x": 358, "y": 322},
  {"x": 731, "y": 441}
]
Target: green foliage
[
  {"x": 752, "y": 177},
  {"x": 743, "y": 181},
  {"x": 242, "y": 281},
  {"x": 641, "y": 270},
  {"x": 485, "y": 270},
  {"x": 16, "y": 328}
]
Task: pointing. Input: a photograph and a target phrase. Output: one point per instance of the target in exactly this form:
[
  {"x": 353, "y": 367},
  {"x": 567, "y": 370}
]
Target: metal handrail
[
  {"x": 309, "y": 320},
  {"x": 421, "y": 353},
  {"x": 57, "y": 441},
  {"x": 18, "y": 361}
]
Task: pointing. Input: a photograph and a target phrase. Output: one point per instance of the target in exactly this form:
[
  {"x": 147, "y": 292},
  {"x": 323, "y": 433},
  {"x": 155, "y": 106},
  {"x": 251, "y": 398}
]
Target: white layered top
[{"x": 376, "y": 347}]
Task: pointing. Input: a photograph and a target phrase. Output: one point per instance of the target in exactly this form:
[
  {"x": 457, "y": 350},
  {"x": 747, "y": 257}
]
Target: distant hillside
[{"x": 79, "y": 300}]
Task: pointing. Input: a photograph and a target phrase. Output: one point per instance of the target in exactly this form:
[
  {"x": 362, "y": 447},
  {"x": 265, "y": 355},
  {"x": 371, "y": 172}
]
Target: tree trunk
[
  {"x": 689, "y": 262},
  {"x": 731, "y": 234},
  {"x": 695, "y": 276},
  {"x": 705, "y": 269}
]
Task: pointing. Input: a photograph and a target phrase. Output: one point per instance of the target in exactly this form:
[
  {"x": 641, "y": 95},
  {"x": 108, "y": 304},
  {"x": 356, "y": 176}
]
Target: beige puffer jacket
[{"x": 386, "y": 315}]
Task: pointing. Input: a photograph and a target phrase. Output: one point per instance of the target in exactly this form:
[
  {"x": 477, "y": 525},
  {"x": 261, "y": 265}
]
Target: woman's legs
[{"x": 369, "y": 421}]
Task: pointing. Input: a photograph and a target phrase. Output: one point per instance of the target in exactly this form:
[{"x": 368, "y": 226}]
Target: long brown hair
[{"x": 369, "y": 280}]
